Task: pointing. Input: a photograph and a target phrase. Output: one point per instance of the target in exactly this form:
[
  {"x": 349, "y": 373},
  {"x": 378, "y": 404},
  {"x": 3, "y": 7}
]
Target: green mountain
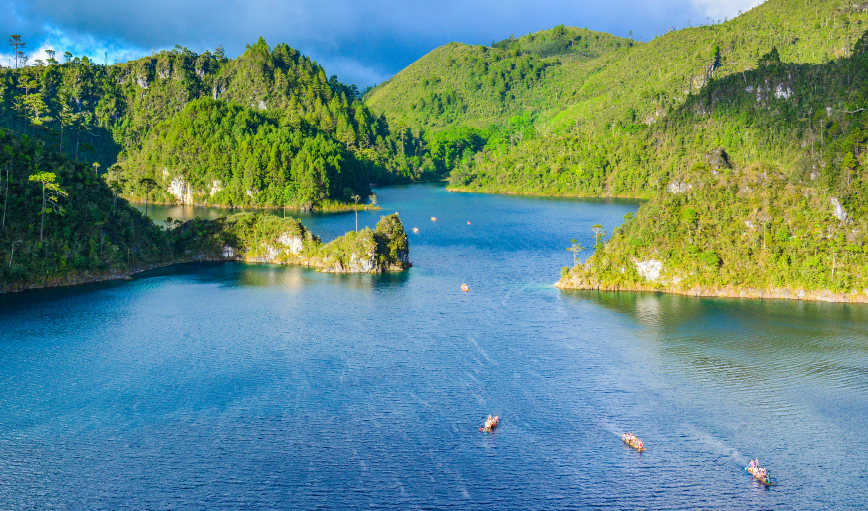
[
  {"x": 479, "y": 86},
  {"x": 111, "y": 113},
  {"x": 607, "y": 141},
  {"x": 792, "y": 224}
]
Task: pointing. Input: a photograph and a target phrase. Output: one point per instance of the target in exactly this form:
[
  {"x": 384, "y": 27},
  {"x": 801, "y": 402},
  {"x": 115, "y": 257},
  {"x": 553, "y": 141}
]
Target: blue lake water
[{"x": 233, "y": 386}]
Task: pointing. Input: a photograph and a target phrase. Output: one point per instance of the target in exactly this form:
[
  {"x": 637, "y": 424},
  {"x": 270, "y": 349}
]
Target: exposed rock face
[
  {"x": 649, "y": 269},
  {"x": 840, "y": 214},
  {"x": 180, "y": 189},
  {"x": 294, "y": 242},
  {"x": 679, "y": 186},
  {"x": 783, "y": 91},
  {"x": 718, "y": 159},
  {"x": 216, "y": 187}
]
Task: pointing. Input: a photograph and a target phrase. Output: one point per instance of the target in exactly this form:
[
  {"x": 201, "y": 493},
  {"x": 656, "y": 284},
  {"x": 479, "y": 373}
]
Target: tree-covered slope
[
  {"x": 220, "y": 153},
  {"x": 786, "y": 218},
  {"x": 606, "y": 142},
  {"x": 103, "y": 113},
  {"x": 74, "y": 230},
  {"x": 479, "y": 86},
  {"x": 61, "y": 224}
]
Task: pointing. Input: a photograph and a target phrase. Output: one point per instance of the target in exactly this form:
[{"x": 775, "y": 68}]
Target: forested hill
[
  {"x": 61, "y": 224},
  {"x": 479, "y": 86},
  {"x": 606, "y": 141},
  {"x": 100, "y": 113},
  {"x": 786, "y": 218}
]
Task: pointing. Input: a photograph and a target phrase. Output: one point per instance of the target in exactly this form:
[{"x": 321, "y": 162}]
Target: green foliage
[
  {"x": 477, "y": 86},
  {"x": 87, "y": 241},
  {"x": 754, "y": 228},
  {"x": 790, "y": 115},
  {"x": 771, "y": 58},
  {"x": 220, "y": 153},
  {"x": 599, "y": 123},
  {"x": 103, "y": 112}
]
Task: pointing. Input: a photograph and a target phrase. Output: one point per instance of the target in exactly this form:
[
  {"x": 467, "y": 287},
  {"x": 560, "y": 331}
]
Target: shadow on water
[
  {"x": 771, "y": 341},
  {"x": 237, "y": 274}
]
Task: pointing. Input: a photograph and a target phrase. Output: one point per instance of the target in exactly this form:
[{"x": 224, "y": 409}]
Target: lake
[{"x": 235, "y": 386}]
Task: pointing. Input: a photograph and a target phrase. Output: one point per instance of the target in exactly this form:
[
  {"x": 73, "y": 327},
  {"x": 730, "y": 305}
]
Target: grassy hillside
[{"x": 479, "y": 86}]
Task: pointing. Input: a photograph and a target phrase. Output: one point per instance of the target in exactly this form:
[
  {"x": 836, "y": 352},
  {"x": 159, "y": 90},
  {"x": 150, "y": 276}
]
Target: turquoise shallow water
[{"x": 232, "y": 386}]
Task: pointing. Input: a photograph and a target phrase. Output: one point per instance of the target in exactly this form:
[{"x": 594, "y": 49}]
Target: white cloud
[
  {"x": 724, "y": 9},
  {"x": 359, "y": 73}
]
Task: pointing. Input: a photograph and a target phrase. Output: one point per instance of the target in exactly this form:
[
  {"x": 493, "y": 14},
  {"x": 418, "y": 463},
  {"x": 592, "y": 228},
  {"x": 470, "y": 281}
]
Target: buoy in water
[
  {"x": 433, "y": 218},
  {"x": 468, "y": 223},
  {"x": 415, "y": 229},
  {"x": 465, "y": 287}
]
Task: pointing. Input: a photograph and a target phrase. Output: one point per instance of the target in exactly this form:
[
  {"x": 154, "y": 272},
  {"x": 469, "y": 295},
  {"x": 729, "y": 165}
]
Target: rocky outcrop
[
  {"x": 263, "y": 238},
  {"x": 182, "y": 190},
  {"x": 840, "y": 213}
]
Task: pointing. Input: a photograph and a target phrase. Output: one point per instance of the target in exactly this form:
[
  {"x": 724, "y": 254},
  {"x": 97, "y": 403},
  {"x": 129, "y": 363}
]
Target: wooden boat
[
  {"x": 490, "y": 424},
  {"x": 465, "y": 287},
  {"x": 433, "y": 218},
  {"x": 760, "y": 474},
  {"x": 631, "y": 440}
]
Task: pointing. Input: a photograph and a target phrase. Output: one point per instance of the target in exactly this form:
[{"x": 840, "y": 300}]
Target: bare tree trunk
[
  {"x": 77, "y": 136},
  {"x": 61, "y": 136}
]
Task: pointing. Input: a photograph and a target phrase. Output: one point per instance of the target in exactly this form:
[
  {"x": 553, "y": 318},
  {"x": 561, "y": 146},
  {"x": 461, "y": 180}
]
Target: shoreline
[
  {"x": 558, "y": 196},
  {"x": 113, "y": 276},
  {"x": 332, "y": 209},
  {"x": 743, "y": 293}
]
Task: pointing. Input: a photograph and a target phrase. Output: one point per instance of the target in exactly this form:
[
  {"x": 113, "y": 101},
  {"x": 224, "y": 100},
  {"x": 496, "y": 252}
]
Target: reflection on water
[
  {"x": 236, "y": 386},
  {"x": 160, "y": 212}
]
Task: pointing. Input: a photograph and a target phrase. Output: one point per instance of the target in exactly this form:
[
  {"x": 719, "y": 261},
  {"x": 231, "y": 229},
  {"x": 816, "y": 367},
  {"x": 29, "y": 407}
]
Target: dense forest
[
  {"x": 62, "y": 224},
  {"x": 282, "y": 104},
  {"x": 722, "y": 224},
  {"x": 594, "y": 128}
]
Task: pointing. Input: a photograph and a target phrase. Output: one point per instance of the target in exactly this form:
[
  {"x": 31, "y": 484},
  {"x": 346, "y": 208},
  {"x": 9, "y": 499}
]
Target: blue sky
[{"x": 362, "y": 41}]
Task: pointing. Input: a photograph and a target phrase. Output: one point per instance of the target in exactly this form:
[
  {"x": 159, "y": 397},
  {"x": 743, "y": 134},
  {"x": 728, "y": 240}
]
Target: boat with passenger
[
  {"x": 490, "y": 424},
  {"x": 761, "y": 474},
  {"x": 631, "y": 440}
]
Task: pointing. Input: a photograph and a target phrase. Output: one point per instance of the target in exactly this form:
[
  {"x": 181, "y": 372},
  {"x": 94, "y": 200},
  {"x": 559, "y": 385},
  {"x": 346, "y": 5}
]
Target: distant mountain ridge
[{"x": 478, "y": 86}]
